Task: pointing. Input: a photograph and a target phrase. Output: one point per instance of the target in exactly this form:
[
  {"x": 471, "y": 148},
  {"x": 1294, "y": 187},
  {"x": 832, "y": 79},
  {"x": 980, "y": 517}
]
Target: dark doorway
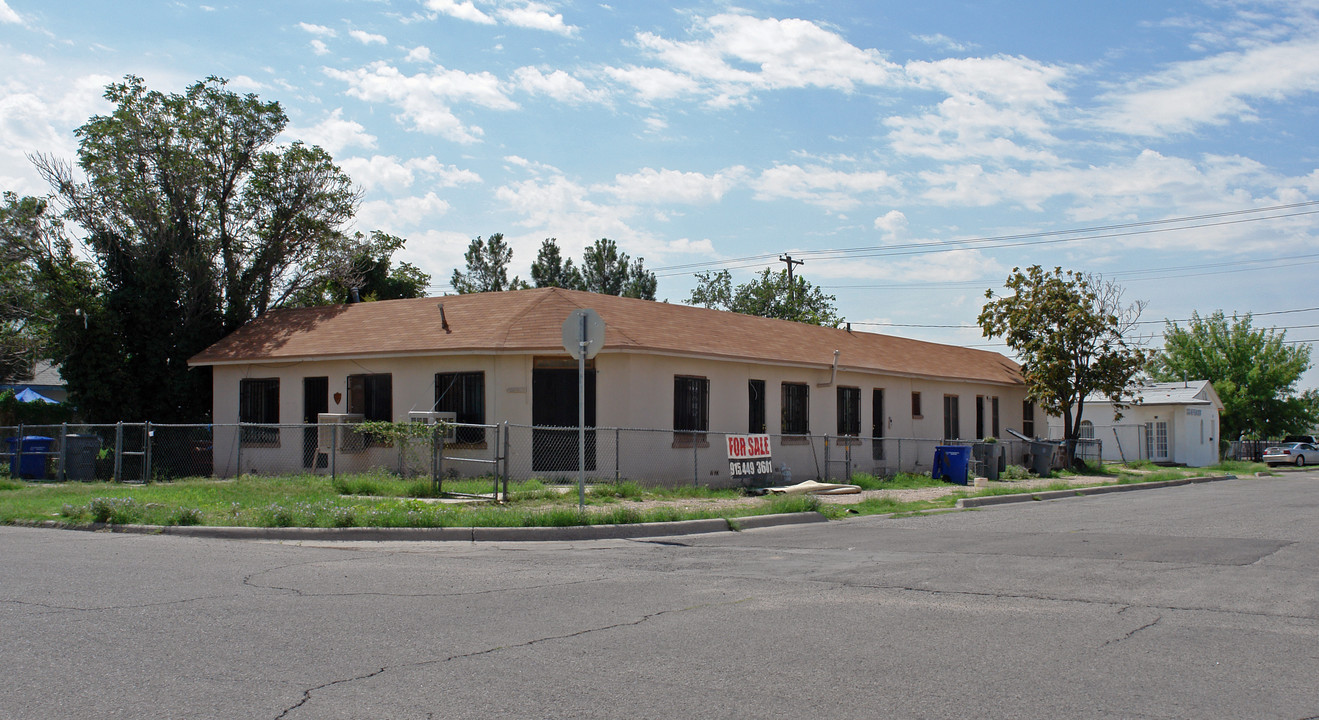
[
  {"x": 315, "y": 400},
  {"x": 554, "y": 405}
]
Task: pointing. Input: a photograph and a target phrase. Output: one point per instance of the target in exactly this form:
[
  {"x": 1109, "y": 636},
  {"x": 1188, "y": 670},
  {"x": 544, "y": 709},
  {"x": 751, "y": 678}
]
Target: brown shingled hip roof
[{"x": 530, "y": 321}]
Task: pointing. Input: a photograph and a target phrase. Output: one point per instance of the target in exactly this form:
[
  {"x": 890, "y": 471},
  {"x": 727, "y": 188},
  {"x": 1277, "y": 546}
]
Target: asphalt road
[{"x": 1191, "y": 602}]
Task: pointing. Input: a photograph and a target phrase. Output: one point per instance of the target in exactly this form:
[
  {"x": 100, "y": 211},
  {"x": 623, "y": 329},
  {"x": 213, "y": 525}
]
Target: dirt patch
[{"x": 904, "y": 495}]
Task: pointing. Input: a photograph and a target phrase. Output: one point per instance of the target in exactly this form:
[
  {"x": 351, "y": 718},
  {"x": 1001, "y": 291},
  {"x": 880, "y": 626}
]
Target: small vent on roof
[{"x": 444, "y": 322}]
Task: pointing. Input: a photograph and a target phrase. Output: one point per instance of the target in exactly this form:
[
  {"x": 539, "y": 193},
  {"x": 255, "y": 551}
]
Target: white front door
[{"x": 1156, "y": 441}]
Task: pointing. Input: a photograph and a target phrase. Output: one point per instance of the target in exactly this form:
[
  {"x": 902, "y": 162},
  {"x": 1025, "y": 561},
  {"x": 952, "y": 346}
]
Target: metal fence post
[
  {"x": 238, "y": 467},
  {"x": 506, "y": 451},
  {"x": 18, "y": 451},
  {"x": 827, "y": 452},
  {"x": 696, "y": 463},
  {"x": 146, "y": 456},
  {"x": 617, "y": 472},
  {"x": 334, "y": 451},
  {"x": 64, "y": 451},
  {"x": 118, "y": 451}
]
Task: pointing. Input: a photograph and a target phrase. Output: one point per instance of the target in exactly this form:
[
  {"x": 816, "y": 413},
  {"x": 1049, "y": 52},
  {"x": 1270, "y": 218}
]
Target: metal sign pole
[{"x": 581, "y": 418}]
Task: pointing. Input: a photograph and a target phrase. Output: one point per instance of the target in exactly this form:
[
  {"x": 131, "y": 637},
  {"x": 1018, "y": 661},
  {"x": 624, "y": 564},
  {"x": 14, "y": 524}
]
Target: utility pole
[{"x": 792, "y": 287}]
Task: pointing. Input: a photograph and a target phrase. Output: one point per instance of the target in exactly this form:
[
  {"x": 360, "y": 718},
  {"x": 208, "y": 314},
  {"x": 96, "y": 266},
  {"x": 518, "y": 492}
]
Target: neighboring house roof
[
  {"x": 45, "y": 375},
  {"x": 530, "y": 321},
  {"x": 1190, "y": 392}
]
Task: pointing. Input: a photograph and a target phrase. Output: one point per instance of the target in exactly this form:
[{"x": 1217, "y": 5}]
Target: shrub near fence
[{"x": 138, "y": 452}]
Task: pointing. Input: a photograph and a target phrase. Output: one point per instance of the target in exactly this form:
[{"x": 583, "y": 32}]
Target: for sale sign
[{"x": 749, "y": 455}]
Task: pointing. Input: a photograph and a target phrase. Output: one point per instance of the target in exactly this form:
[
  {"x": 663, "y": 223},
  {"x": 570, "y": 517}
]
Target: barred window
[
  {"x": 756, "y": 406},
  {"x": 951, "y": 421},
  {"x": 372, "y": 396},
  {"x": 795, "y": 419},
  {"x": 849, "y": 411},
  {"x": 463, "y": 394},
  {"x": 1028, "y": 418},
  {"x": 258, "y": 402},
  {"x": 691, "y": 409}
]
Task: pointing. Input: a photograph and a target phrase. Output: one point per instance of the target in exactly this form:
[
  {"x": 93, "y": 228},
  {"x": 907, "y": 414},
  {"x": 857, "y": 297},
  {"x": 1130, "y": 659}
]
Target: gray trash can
[
  {"x": 1041, "y": 457},
  {"x": 80, "y": 456},
  {"x": 990, "y": 457}
]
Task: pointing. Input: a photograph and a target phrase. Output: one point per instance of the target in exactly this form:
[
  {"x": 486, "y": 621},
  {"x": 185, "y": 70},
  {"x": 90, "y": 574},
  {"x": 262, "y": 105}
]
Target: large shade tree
[
  {"x": 1070, "y": 331},
  {"x": 769, "y": 294},
  {"x": 1253, "y": 370},
  {"x": 197, "y": 221}
]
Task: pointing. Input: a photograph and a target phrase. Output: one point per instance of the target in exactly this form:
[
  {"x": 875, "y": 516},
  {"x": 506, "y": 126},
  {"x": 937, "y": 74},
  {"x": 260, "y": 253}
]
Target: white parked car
[{"x": 1297, "y": 453}]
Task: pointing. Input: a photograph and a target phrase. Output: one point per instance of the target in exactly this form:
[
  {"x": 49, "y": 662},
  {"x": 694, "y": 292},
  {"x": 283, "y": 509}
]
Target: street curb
[
  {"x": 752, "y": 522},
  {"x": 1081, "y": 492},
  {"x": 467, "y": 534}
]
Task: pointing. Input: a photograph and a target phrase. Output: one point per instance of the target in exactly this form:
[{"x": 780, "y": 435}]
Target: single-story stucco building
[
  {"x": 1169, "y": 422},
  {"x": 682, "y": 374}
]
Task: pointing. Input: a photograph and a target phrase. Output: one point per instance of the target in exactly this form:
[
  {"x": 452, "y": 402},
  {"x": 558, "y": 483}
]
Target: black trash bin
[{"x": 80, "y": 453}]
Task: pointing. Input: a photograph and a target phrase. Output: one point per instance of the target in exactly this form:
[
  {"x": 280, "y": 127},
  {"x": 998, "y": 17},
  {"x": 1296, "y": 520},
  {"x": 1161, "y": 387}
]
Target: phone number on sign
[{"x": 750, "y": 467}]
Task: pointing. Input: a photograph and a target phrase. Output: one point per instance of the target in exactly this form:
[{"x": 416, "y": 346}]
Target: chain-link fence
[{"x": 139, "y": 452}]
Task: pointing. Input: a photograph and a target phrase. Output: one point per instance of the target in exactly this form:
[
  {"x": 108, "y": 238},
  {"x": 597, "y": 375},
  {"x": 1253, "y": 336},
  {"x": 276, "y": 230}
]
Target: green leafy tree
[
  {"x": 372, "y": 273},
  {"x": 197, "y": 222},
  {"x": 608, "y": 271},
  {"x": 487, "y": 268},
  {"x": 1253, "y": 370},
  {"x": 768, "y": 294},
  {"x": 551, "y": 270},
  {"x": 25, "y": 316},
  {"x": 1069, "y": 331}
]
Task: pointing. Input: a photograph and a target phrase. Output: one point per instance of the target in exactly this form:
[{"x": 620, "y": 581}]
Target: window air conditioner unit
[
  {"x": 350, "y": 441},
  {"x": 435, "y": 418}
]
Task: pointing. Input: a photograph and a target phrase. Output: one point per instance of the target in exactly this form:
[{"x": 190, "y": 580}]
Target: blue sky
[{"x": 892, "y": 146}]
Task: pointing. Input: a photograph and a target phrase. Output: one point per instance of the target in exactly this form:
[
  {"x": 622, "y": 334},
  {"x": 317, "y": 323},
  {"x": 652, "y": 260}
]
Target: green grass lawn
[{"x": 383, "y": 500}]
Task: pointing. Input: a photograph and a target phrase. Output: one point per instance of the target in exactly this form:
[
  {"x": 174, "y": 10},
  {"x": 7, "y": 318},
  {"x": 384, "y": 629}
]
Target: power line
[{"x": 1189, "y": 222}]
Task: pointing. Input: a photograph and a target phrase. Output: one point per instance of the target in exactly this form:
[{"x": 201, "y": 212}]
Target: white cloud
[
  {"x": 367, "y": 38},
  {"x": 650, "y": 186},
  {"x": 424, "y": 99},
  {"x": 320, "y": 30},
  {"x": 389, "y": 173},
  {"x": 892, "y": 222},
  {"x": 943, "y": 42},
  {"x": 558, "y": 85},
  {"x": 818, "y": 185},
  {"x": 654, "y": 83},
  {"x": 419, "y": 54},
  {"x": 244, "y": 82},
  {"x": 656, "y": 124},
  {"x": 7, "y": 14},
  {"x": 464, "y": 10},
  {"x": 528, "y": 14},
  {"x": 1213, "y": 90},
  {"x": 319, "y": 47},
  {"x": 401, "y": 214},
  {"x": 736, "y": 55},
  {"x": 40, "y": 118},
  {"x": 334, "y": 133},
  {"x": 536, "y": 16},
  {"x": 1001, "y": 108}
]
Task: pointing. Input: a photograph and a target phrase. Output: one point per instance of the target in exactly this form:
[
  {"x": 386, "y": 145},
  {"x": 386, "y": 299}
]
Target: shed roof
[
  {"x": 1189, "y": 392},
  {"x": 530, "y": 321}
]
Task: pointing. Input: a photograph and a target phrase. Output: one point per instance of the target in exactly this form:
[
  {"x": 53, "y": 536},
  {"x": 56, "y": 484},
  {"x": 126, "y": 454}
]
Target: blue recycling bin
[
  {"x": 951, "y": 463},
  {"x": 33, "y": 461}
]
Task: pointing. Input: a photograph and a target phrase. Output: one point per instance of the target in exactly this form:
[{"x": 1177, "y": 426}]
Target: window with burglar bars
[
  {"x": 691, "y": 409},
  {"x": 796, "y": 414},
  {"x": 951, "y": 421},
  {"x": 756, "y": 406},
  {"x": 372, "y": 396},
  {"x": 258, "y": 402},
  {"x": 849, "y": 411},
  {"x": 1028, "y": 418},
  {"x": 463, "y": 394}
]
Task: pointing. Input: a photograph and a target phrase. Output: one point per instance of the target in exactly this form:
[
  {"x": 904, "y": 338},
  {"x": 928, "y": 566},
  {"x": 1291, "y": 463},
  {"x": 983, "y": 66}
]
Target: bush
[{"x": 116, "y": 511}]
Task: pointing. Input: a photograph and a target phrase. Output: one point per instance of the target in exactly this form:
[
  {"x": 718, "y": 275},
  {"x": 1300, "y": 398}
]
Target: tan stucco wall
[{"x": 634, "y": 390}]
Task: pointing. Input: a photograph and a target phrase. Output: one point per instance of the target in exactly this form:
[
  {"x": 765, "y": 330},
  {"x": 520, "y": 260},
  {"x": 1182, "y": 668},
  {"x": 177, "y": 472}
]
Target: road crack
[{"x": 307, "y": 694}]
